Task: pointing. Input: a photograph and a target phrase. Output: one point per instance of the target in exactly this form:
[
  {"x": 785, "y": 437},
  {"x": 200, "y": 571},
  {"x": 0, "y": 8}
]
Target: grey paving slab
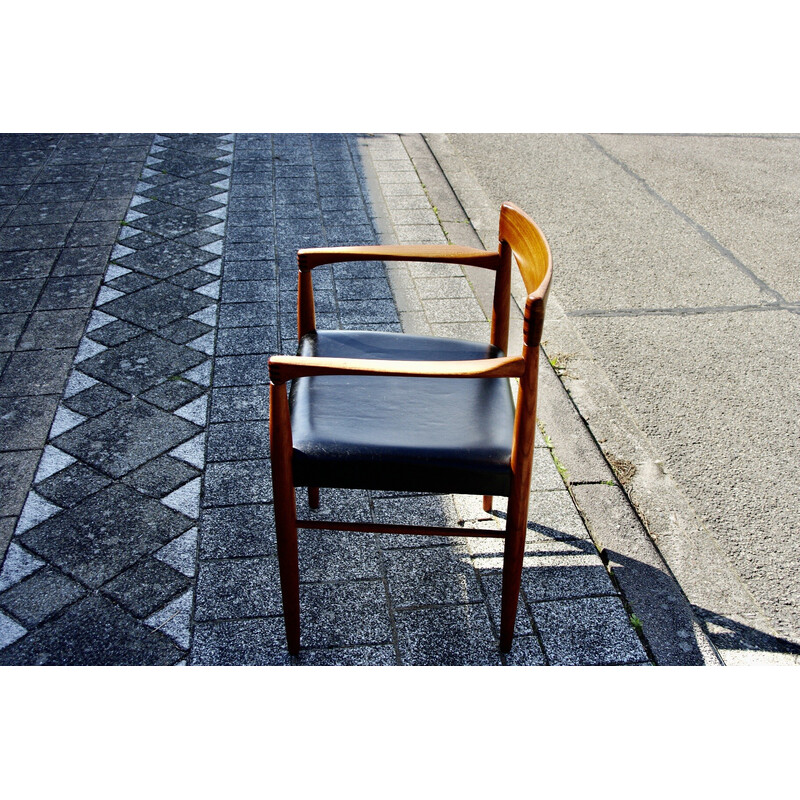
[
  {"x": 135, "y": 540},
  {"x": 126, "y": 437},
  {"x": 109, "y": 531},
  {"x": 155, "y": 492},
  {"x": 93, "y": 632}
]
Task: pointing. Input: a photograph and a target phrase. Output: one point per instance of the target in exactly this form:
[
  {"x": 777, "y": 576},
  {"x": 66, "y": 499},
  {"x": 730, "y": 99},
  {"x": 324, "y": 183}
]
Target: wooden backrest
[
  {"x": 529, "y": 246},
  {"x": 521, "y": 238}
]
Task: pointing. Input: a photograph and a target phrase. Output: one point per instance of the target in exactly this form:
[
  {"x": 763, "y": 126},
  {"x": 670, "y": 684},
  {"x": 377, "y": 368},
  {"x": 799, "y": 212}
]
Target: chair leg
[
  {"x": 290, "y": 581},
  {"x": 313, "y": 496},
  {"x": 487, "y": 503},
  {"x": 285, "y": 512},
  {"x": 516, "y": 528}
]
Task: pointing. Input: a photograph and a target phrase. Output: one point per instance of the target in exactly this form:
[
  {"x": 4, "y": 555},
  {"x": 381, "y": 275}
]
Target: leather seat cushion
[{"x": 407, "y": 434}]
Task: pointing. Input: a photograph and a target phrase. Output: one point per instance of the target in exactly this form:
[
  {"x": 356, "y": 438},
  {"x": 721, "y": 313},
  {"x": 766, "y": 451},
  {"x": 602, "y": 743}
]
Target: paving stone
[
  {"x": 93, "y": 632},
  {"x": 249, "y": 233},
  {"x": 181, "y": 553},
  {"x": 587, "y": 632},
  {"x": 131, "y": 282},
  {"x": 49, "y": 329},
  {"x": 248, "y": 270},
  {"x": 165, "y": 259},
  {"x": 103, "y": 205},
  {"x": 135, "y": 240},
  {"x": 146, "y": 587},
  {"x": 161, "y": 476},
  {"x": 109, "y": 531},
  {"x": 234, "y": 441},
  {"x": 241, "y": 370},
  {"x": 526, "y": 651},
  {"x": 141, "y": 363},
  {"x": 446, "y": 636},
  {"x": 238, "y": 482},
  {"x": 96, "y": 400},
  {"x": 185, "y": 499},
  {"x": 563, "y": 577},
  {"x": 344, "y": 614},
  {"x": 19, "y": 295},
  {"x": 246, "y": 341},
  {"x": 156, "y": 306},
  {"x": 185, "y": 330},
  {"x": 11, "y": 327},
  {"x": 16, "y": 471},
  {"x": 236, "y": 531},
  {"x": 36, "y": 510},
  {"x": 192, "y": 279},
  {"x": 175, "y": 620},
  {"x": 125, "y": 437},
  {"x": 349, "y": 505},
  {"x": 172, "y": 394},
  {"x": 203, "y": 239},
  {"x": 26, "y": 264},
  {"x": 98, "y": 233},
  {"x": 338, "y": 556},
  {"x": 48, "y": 192},
  {"x": 359, "y": 312},
  {"x": 182, "y": 193},
  {"x": 173, "y": 222},
  {"x": 40, "y": 596},
  {"x": 82, "y": 261},
  {"x": 71, "y": 485},
  {"x": 10, "y": 630},
  {"x": 25, "y": 421},
  {"x": 51, "y": 462},
  {"x": 248, "y": 642},
  {"x": 34, "y": 237},
  {"x": 360, "y": 289},
  {"x": 492, "y": 583},
  {"x": 414, "y": 509},
  {"x": 42, "y": 213},
  {"x": 237, "y": 403},
  {"x": 431, "y": 575},
  {"x": 238, "y": 588}
]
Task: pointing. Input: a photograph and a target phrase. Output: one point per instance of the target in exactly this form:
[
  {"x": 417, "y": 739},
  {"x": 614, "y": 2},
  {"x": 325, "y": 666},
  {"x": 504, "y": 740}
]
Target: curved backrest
[{"x": 529, "y": 246}]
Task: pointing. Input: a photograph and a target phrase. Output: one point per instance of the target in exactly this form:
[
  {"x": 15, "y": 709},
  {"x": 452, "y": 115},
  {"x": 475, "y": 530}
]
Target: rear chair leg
[
  {"x": 487, "y": 502},
  {"x": 313, "y": 496}
]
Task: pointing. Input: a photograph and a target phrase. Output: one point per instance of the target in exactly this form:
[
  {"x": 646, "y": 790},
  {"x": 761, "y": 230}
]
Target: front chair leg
[
  {"x": 285, "y": 511},
  {"x": 516, "y": 528},
  {"x": 290, "y": 582}
]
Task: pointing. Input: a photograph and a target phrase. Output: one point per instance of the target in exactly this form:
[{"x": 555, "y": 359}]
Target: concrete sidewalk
[{"x": 136, "y": 519}]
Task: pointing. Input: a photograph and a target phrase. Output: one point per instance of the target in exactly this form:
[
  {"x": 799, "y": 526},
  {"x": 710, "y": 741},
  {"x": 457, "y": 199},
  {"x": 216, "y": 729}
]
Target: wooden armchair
[{"x": 373, "y": 410}]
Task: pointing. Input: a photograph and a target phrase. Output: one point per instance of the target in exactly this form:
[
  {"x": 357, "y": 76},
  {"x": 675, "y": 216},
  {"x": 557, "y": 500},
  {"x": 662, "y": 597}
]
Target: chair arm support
[
  {"x": 286, "y": 368},
  {"x": 446, "y": 254}
]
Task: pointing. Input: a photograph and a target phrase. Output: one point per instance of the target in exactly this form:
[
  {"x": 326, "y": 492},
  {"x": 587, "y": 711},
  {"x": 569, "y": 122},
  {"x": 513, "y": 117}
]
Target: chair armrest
[
  {"x": 446, "y": 254},
  {"x": 286, "y": 368}
]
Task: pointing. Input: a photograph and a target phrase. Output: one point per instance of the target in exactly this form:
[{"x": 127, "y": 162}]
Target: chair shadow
[{"x": 724, "y": 632}]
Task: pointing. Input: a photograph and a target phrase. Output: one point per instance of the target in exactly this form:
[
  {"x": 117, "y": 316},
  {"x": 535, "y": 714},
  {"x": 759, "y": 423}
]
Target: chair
[{"x": 375, "y": 410}]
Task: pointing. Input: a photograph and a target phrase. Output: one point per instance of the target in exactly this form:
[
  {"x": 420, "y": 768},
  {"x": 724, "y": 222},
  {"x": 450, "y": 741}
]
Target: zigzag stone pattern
[{"x": 101, "y": 568}]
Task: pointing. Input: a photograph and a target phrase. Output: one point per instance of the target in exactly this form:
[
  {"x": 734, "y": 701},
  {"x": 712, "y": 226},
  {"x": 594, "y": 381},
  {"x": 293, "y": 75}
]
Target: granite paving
[{"x": 140, "y": 307}]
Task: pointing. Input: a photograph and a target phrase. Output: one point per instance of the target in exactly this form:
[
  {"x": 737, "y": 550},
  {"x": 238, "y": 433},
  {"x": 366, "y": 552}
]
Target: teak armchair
[{"x": 373, "y": 410}]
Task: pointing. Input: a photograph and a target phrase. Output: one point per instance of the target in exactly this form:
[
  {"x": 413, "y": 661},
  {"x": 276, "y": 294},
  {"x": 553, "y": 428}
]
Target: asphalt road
[{"x": 676, "y": 259}]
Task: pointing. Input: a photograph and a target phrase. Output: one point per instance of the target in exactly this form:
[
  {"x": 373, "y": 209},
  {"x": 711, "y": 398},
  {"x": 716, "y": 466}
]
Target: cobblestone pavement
[{"x": 145, "y": 282}]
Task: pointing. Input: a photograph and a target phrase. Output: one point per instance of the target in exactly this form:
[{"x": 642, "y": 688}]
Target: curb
[{"x": 652, "y": 591}]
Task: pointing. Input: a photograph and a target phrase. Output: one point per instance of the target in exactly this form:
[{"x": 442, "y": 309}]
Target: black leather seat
[{"x": 408, "y": 434}]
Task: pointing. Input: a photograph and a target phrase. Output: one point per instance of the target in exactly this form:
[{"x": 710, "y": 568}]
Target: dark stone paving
[
  {"x": 148, "y": 536},
  {"x": 101, "y": 569},
  {"x": 62, "y": 198}
]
